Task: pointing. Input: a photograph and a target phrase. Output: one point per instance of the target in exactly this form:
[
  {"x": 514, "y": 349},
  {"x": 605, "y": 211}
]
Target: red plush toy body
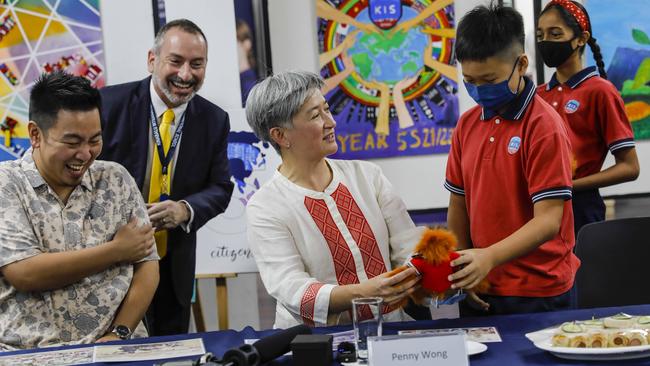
[
  {"x": 435, "y": 276},
  {"x": 433, "y": 255}
]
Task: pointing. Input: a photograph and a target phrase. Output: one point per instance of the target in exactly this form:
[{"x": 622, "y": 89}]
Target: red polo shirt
[
  {"x": 503, "y": 165},
  {"x": 594, "y": 113}
]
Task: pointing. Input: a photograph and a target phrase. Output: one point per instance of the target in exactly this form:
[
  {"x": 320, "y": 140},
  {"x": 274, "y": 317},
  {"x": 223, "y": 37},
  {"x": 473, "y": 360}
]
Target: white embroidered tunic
[{"x": 306, "y": 242}]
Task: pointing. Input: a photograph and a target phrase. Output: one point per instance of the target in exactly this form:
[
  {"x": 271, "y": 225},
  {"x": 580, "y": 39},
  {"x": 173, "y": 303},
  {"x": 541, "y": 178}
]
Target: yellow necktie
[{"x": 157, "y": 185}]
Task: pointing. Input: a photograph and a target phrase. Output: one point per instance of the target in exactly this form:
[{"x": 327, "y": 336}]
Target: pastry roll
[
  {"x": 618, "y": 339},
  {"x": 637, "y": 337},
  {"x": 597, "y": 340},
  {"x": 578, "y": 341},
  {"x": 560, "y": 340}
]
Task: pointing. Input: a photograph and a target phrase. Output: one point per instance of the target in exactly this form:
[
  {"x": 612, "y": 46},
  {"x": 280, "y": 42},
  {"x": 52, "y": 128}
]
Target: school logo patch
[
  {"x": 571, "y": 106},
  {"x": 385, "y": 13},
  {"x": 514, "y": 144}
]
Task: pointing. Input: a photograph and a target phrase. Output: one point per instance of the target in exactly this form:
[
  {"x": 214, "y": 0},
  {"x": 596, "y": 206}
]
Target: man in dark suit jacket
[{"x": 198, "y": 168}]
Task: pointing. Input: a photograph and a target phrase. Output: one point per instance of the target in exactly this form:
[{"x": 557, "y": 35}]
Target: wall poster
[
  {"x": 623, "y": 34},
  {"x": 390, "y": 74},
  {"x": 42, "y": 36}
]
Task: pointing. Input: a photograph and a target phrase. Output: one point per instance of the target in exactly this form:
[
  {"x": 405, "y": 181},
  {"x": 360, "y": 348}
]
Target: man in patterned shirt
[{"x": 77, "y": 259}]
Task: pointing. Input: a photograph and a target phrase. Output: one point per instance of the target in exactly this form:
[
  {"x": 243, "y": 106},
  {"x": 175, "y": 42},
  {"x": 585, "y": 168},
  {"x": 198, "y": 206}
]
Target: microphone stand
[{"x": 245, "y": 355}]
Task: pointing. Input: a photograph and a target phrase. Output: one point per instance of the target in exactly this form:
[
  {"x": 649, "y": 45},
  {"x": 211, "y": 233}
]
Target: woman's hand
[
  {"x": 391, "y": 288},
  {"x": 476, "y": 264}
]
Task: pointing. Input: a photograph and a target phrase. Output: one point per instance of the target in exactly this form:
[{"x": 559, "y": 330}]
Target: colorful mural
[
  {"x": 41, "y": 36},
  {"x": 622, "y": 33},
  {"x": 390, "y": 77}
]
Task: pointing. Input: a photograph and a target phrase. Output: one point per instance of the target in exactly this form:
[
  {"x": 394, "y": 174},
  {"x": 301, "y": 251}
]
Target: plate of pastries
[{"x": 616, "y": 337}]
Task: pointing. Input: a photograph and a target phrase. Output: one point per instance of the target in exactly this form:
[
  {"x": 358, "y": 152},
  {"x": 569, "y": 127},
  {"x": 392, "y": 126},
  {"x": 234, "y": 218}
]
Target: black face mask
[{"x": 555, "y": 54}]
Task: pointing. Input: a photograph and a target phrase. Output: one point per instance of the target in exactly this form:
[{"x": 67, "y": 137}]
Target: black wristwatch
[{"x": 121, "y": 331}]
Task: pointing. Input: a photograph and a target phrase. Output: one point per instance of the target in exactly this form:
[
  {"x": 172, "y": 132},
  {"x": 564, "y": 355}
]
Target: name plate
[{"x": 414, "y": 350}]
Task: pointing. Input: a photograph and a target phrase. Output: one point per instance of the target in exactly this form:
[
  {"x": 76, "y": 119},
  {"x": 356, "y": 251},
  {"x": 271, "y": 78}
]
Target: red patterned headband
[{"x": 574, "y": 10}]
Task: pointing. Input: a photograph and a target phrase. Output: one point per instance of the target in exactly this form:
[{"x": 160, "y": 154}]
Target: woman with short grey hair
[{"x": 323, "y": 231}]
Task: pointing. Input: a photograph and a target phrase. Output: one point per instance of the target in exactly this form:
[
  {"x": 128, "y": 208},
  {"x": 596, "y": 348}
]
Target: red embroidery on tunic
[
  {"x": 362, "y": 234},
  {"x": 354, "y": 219},
  {"x": 308, "y": 302},
  {"x": 346, "y": 271}
]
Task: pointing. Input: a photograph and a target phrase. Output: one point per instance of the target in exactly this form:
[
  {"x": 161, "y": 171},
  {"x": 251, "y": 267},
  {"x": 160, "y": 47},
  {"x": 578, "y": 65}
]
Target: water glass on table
[{"x": 366, "y": 318}]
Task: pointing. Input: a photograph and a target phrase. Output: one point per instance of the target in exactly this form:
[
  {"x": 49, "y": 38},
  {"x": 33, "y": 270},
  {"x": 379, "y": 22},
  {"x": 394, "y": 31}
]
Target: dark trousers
[
  {"x": 165, "y": 315},
  {"x": 588, "y": 207},
  {"x": 500, "y": 305}
]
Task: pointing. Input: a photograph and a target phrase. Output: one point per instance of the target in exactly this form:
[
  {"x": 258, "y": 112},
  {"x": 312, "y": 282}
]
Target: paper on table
[
  {"x": 148, "y": 351},
  {"x": 65, "y": 357},
  {"x": 477, "y": 334}
]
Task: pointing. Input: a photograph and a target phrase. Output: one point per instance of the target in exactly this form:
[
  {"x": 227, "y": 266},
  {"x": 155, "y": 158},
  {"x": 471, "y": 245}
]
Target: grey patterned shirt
[{"x": 33, "y": 220}]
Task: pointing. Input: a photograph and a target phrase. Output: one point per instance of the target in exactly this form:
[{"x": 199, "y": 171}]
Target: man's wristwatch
[{"x": 121, "y": 331}]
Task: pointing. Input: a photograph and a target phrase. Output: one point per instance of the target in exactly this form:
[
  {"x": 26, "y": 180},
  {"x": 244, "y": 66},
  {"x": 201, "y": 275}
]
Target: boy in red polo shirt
[{"x": 509, "y": 174}]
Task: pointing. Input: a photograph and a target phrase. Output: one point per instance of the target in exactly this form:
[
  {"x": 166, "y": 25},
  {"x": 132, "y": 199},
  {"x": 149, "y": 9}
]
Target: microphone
[{"x": 264, "y": 350}]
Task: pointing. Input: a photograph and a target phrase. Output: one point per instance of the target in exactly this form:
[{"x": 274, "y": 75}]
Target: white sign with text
[{"x": 441, "y": 350}]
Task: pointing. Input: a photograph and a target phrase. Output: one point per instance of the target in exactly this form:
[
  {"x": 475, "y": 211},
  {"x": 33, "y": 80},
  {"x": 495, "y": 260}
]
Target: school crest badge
[
  {"x": 571, "y": 106},
  {"x": 514, "y": 144},
  {"x": 385, "y": 13}
]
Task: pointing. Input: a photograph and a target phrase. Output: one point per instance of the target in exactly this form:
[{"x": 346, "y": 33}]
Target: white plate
[
  {"x": 474, "y": 348},
  {"x": 542, "y": 340},
  {"x": 603, "y": 354}
]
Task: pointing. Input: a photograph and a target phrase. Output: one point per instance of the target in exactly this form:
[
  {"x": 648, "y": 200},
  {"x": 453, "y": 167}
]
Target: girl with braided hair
[{"x": 590, "y": 105}]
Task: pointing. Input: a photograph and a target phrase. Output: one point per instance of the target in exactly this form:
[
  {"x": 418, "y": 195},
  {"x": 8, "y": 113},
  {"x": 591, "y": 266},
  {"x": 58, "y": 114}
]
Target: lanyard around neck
[{"x": 165, "y": 159}]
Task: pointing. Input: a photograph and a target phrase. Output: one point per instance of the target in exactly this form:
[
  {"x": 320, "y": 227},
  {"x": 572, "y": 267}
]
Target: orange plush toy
[{"x": 432, "y": 260}]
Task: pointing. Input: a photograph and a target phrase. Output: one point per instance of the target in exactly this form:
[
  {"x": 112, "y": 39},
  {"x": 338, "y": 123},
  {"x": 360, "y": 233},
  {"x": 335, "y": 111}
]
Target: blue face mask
[{"x": 493, "y": 96}]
